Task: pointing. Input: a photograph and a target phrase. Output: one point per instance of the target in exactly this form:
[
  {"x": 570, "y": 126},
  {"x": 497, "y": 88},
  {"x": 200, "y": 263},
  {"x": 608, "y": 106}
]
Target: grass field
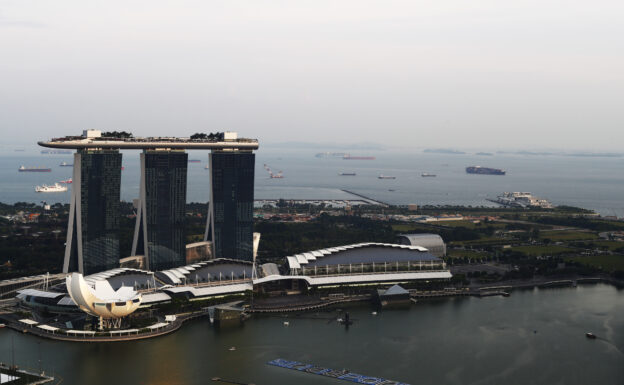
[
  {"x": 610, "y": 245},
  {"x": 483, "y": 241},
  {"x": 606, "y": 262},
  {"x": 567, "y": 235},
  {"x": 454, "y": 253},
  {"x": 410, "y": 227},
  {"x": 534, "y": 251}
]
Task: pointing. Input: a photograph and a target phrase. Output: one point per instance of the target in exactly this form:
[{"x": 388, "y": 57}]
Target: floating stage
[{"x": 343, "y": 374}]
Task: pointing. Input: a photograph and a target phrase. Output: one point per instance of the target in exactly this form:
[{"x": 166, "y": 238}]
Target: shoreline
[{"x": 482, "y": 290}]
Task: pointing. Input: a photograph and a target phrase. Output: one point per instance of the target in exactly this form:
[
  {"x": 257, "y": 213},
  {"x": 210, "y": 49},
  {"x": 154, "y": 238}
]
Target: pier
[
  {"x": 16, "y": 375},
  {"x": 369, "y": 200}
]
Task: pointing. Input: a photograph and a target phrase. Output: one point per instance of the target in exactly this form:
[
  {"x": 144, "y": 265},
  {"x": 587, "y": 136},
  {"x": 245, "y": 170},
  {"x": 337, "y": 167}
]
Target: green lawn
[
  {"x": 534, "y": 251},
  {"x": 454, "y": 253},
  {"x": 410, "y": 227},
  {"x": 483, "y": 241},
  {"x": 567, "y": 235},
  {"x": 606, "y": 262},
  {"x": 466, "y": 224},
  {"x": 610, "y": 245}
]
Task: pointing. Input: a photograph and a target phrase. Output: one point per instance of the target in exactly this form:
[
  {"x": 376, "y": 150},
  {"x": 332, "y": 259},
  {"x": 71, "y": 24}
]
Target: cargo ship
[
  {"x": 55, "y": 152},
  {"x": 65, "y": 164},
  {"x": 484, "y": 170},
  {"x": 426, "y": 174},
  {"x": 347, "y": 174},
  {"x": 54, "y": 188},
  {"x": 382, "y": 176},
  {"x": 331, "y": 154},
  {"x": 350, "y": 157},
  {"x": 194, "y": 161},
  {"x": 34, "y": 169}
]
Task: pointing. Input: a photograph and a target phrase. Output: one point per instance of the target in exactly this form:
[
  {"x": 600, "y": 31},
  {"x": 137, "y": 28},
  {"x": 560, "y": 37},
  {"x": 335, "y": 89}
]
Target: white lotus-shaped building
[{"x": 102, "y": 300}]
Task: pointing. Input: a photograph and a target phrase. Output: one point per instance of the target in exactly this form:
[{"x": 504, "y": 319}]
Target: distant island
[
  {"x": 443, "y": 151},
  {"x": 572, "y": 154}
]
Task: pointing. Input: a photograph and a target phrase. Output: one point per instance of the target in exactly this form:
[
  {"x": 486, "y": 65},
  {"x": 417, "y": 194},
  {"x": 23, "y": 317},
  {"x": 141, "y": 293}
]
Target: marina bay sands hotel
[{"x": 93, "y": 228}]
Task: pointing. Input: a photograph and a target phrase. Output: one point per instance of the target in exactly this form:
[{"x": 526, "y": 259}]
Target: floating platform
[{"x": 343, "y": 374}]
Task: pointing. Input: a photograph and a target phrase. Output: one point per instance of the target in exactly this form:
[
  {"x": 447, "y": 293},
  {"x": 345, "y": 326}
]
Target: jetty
[{"x": 367, "y": 199}]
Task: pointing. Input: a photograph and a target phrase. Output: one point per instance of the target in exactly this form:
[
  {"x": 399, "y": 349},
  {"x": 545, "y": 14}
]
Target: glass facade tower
[
  {"x": 93, "y": 231},
  {"x": 162, "y": 209},
  {"x": 230, "y": 217}
]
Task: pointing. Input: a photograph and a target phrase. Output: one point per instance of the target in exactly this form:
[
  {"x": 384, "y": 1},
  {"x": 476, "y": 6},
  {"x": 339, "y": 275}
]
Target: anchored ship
[
  {"x": 521, "y": 199},
  {"x": 331, "y": 154},
  {"x": 382, "y": 176},
  {"x": 347, "y": 174},
  {"x": 484, "y": 170},
  {"x": 54, "y": 188},
  {"x": 34, "y": 169},
  {"x": 426, "y": 174},
  {"x": 349, "y": 157}
]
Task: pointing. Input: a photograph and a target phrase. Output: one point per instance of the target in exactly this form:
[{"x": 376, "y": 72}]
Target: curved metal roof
[{"x": 320, "y": 255}]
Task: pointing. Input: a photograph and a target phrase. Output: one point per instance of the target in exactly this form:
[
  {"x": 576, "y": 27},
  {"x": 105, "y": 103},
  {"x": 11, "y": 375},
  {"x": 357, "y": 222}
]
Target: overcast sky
[{"x": 439, "y": 73}]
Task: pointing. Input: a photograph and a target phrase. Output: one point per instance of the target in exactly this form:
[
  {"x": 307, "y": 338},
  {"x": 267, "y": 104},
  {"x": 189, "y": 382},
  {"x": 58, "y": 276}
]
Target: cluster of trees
[
  {"x": 117, "y": 134},
  {"x": 280, "y": 239},
  {"x": 582, "y": 222},
  {"x": 218, "y": 136}
]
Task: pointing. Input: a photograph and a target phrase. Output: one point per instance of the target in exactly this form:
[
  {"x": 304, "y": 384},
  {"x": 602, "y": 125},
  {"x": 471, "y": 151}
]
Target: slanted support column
[
  {"x": 209, "y": 234},
  {"x": 75, "y": 218},
  {"x": 140, "y": 227}
]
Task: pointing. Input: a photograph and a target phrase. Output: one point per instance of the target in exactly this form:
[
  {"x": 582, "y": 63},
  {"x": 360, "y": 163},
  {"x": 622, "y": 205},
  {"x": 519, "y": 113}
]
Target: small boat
[
  {"x": 382, "y": 176},
  {"x": 426, "y": 174},
  {"x": 590, "y": 335},
  {"x": 65, "y": 164},
  {"x": 347, "y": 174},
  {"x": 286, "y": 323},
  {"x": 2, "y": 326},
  {"x": 207, "y": 167},
  {"x": 232, "y": 348},
  {"x": 67, "y": 181},
  {"x": 374, "y": 313}
]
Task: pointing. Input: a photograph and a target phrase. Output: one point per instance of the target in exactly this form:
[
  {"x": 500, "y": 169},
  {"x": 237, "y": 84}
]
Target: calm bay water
[
  {"x": 593, "y": 183},
  {"x": 532, "y": 337}
]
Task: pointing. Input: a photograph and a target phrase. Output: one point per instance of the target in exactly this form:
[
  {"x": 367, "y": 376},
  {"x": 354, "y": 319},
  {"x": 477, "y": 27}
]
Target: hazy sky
[{"x": 439, "y": 73}]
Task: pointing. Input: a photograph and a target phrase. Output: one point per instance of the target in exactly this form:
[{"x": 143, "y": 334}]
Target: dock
[
  {"x": 369, "y": 200},
  {"x": 22, "y": 376}
]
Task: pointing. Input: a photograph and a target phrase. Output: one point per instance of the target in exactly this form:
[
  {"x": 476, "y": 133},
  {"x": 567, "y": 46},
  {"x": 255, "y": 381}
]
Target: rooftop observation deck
[{"x": 137, "y": 143}]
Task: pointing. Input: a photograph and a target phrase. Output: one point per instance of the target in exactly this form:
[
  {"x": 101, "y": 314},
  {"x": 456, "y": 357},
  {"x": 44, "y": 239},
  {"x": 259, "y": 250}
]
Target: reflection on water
[{"x": 534, "y": 336}]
